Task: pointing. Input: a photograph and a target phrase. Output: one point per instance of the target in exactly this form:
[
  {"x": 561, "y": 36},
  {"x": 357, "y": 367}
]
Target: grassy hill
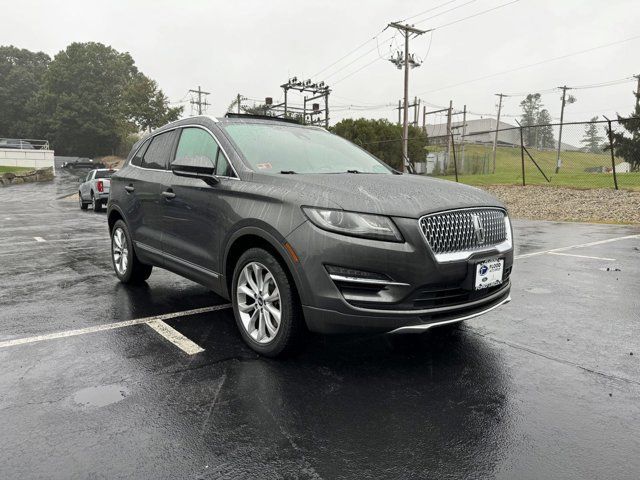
[{"x": 479, "y": 159}]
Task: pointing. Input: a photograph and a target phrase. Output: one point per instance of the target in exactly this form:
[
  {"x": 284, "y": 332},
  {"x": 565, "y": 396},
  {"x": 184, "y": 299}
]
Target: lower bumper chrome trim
[
  {"x": 368, "y": 281},
  {"x": 427, "y": 326}
]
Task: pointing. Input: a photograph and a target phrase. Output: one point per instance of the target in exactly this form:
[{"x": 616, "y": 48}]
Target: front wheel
[
  {"x": 266, "y": 305},
  {"x": 83, "y": 205},
  {"x": 125, "y": 262}
]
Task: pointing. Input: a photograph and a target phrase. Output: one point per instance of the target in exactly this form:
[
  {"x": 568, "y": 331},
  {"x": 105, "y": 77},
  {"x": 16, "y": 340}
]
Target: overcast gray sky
[{"x": 251, "y": 47}]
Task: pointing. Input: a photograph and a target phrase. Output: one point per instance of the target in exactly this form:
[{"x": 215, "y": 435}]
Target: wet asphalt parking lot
[{"x": 98, "y": 381}]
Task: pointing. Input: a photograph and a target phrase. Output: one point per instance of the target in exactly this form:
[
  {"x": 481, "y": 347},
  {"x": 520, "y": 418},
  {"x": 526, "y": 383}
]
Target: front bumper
[{"x": 421, "y": 292}]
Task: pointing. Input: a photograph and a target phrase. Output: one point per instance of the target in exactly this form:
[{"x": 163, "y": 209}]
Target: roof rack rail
[{"x": 262, "y": 117}]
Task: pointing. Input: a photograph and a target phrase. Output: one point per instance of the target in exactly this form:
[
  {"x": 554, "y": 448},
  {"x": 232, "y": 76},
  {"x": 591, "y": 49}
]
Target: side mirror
[{"x": 195, "y": 167}]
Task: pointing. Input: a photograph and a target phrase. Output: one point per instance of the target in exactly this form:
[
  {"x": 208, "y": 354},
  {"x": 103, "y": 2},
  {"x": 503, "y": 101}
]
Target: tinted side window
[
  {"x": 222, "y": 166},
  {"x": 159, "y": 151},
  {"x": 137, "y": 158},
  {"x": 194, "y": 143}
]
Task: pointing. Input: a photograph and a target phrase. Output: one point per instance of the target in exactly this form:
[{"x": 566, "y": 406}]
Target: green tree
[
  {"x": 544, "y": 134},
  {"x": 93, "y": 98},
  {"x": 383, "y": 139},
  {"x": 21, "y": 73},
  {"x": 82, "y": 99},
  {"x": 628, "y": 147},
  {"x": 591, "y": 140},
  {"x": 147, "y": 107},
  {"x": 531, "y": 106}
]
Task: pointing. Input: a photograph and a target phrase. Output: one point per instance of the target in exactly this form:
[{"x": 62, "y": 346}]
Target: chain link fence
[{"x": 577, "y": 155}]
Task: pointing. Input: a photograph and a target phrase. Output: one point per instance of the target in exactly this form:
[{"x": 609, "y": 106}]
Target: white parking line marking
[
  {"x": 175, "y": 337},
  {"x": 580, "y": 245},
  {"x": 109, "y": 326},
  {"x": 56, "y": 240},
  {"x": 582, "y": 256}
]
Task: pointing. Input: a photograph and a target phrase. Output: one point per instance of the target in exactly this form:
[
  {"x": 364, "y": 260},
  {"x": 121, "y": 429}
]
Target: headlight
[{"x": 362, "y": 225}]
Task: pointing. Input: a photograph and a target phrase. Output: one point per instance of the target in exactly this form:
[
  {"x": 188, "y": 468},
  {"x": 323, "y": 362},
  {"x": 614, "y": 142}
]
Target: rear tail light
[{"x": 100, "y": 186}]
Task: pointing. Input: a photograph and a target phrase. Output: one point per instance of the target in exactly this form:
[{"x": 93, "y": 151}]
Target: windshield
[
  {"x": 278, "y": 149},
  {"x": 104, "y": 173}
]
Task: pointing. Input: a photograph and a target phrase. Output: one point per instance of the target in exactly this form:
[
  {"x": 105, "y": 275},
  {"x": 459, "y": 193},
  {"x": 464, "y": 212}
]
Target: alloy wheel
[
  {"x": 259, "y": 303},
  {"x": 120, "y": 251}
]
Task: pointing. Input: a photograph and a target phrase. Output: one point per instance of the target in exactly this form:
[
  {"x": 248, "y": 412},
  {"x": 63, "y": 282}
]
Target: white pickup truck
[{"x": 94, "y": 189}]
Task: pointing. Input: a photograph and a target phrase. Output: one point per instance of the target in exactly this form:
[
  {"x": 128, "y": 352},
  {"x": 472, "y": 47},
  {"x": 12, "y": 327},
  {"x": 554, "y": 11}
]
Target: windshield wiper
[
  {"x": 353, "y": 171},
  {"x": 287, "y": 172}
]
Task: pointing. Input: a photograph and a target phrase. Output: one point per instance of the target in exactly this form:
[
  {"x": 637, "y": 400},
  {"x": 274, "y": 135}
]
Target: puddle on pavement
[{"x": 100, "y": 396}]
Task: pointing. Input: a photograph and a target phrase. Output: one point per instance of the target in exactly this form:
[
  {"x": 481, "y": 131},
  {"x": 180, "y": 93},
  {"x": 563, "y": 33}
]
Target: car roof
[
  {"x": 210, "y": 121},
  {"x": 233, "y": 118}
]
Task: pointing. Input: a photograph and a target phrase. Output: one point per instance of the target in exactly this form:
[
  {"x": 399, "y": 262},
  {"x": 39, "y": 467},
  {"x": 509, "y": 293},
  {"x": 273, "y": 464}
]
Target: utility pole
[
  {"x": 416, "y": 109},
  {"x": 464, "y": 133},
  {"x": 495, "y": 137},
  {"x": 637, "y": 91},
  {"x": 408, "y": 31},
  {"x": 239, "y": 102},
  {"x": 200, "y": 102},
  {"x": 449, "y": 112},
  {"x": 564, "y": 102}
]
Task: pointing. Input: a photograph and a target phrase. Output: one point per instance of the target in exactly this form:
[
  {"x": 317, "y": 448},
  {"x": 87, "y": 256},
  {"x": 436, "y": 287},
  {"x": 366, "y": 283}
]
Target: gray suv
[{"x": 303, "y": 230}]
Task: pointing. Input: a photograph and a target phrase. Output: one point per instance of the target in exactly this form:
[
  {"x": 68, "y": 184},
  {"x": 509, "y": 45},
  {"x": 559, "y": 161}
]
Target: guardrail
[{"x": 24, "y": 144}]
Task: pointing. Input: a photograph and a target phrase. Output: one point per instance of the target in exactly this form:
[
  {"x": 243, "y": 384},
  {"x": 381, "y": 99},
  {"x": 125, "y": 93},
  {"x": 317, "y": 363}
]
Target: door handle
[
  {"x": 168, "y": 194},
  {"x": 129, "y": 188}
]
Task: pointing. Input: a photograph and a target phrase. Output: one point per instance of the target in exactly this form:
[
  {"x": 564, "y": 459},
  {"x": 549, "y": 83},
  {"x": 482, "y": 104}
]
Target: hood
[{"x": 394, "y": 195}]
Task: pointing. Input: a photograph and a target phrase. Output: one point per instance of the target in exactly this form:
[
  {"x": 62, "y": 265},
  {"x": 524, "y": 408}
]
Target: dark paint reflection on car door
[
  {"x": 148, "y": 183},
  {"x": 192, "y": 225}
]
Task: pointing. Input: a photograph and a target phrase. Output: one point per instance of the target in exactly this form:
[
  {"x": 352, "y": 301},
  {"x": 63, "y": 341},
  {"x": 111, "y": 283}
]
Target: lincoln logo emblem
[{"x": 478, "y": 228}]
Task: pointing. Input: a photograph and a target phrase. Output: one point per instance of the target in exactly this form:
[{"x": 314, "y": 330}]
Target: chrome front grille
[{"x": 465, "y": 230}]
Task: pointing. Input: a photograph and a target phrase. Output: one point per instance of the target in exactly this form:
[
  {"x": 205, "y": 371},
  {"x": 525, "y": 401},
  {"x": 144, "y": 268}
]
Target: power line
[
  {"x": 428, "y": 10},
  {"x": 378, "y": 34},
  {"x": 610, "y": 83},
  {"x": 446, "y": 11},
  {"x": 356, "y": 71},
  {"x": 345, "y": 56},
  {"x": 200, "y": 103},
  {"x": 522, "y": 67},
  {"x": 477, "y": 14},
  {"x": 390, "y": 38}
]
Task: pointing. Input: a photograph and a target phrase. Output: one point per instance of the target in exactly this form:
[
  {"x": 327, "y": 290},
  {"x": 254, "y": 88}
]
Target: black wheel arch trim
[
  {"x": 110, "y": 209},
  {"x": 276, "y": 240}
]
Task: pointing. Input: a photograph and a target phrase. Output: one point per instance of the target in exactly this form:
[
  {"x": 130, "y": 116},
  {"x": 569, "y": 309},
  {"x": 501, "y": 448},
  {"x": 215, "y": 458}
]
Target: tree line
[{"x": 89, "y": 100}]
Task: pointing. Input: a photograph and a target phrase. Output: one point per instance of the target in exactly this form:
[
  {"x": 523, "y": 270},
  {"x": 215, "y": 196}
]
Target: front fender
[{"x": 269, "y": 234}]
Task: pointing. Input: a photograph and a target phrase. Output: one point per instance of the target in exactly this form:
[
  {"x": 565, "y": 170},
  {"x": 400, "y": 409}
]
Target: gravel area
[{"x": 565, "y": 204}]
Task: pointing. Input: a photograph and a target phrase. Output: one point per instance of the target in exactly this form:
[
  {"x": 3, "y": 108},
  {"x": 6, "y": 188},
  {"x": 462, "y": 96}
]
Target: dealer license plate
[{"x": 489, "y": 273}]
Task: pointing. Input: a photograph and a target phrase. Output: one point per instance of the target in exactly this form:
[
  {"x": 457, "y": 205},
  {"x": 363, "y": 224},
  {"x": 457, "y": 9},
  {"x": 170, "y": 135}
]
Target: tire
[
  {"x": 97, "y": 204},
  {"x": 123, "y": 257},
  {"x": 83, "y": 204},
  {"x": 256, "y": 315}
]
